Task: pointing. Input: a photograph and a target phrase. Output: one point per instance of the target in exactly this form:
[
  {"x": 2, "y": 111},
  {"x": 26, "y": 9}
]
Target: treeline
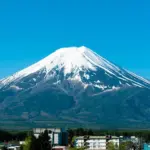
[
  {"x": 10, "y": 136},
  {"x": 20, "y": 136},
  {"x": 81, "y": 132}
]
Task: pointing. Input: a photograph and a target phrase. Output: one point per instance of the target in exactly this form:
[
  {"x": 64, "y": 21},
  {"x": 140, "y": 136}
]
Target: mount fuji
[{"x": 74, "y": 86}]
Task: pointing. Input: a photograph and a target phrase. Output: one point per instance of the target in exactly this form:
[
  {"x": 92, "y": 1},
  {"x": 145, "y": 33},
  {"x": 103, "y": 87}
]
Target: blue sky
[{"x": 118, "y": 30}]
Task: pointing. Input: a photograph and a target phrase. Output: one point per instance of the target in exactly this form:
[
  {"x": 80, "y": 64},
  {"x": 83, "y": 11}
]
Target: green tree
[
  {"x": 71, "y": 134},
  {"x": 111, "y": 146},
  {"x": 122, "y": 146},
  {"x": 30, "y": 143},
  {"x": 125, "y": 145},
  {"x": 73, "y": 140},
  {"x": 44, "y": 141},
  {"x": 90, "y": 132},
  {"x": 41, "y": 143},
  {"x": 80, "y": 132}
]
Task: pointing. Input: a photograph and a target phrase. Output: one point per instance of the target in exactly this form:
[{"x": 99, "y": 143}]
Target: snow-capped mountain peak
[
  {"x": 81, "y": 59},
  {"x": 68, "y": 58}
]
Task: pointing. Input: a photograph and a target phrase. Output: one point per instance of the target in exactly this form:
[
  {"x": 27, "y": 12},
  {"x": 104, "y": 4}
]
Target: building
[
  {"x": 96, "y": 142},
  {"x": 146, "y": 146},
  {"x": 59, "y": 148},
  {"x": 57, "y": 135},
  {"x": 13, "y": 148},
  {"x": 132, "y": 139}
]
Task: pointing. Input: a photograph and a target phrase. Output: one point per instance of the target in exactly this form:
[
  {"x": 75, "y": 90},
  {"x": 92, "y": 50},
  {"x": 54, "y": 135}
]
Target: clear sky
[{"x": 118, "y": 30}]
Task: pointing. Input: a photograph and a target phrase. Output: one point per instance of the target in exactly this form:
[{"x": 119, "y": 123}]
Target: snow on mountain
[{"x": 73, "y": 60}]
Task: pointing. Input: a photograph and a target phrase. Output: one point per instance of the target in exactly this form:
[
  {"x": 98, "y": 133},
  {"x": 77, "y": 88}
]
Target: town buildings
[
  {"x": 96, "y": 142},
  {"x": 57, "y": 136}
]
